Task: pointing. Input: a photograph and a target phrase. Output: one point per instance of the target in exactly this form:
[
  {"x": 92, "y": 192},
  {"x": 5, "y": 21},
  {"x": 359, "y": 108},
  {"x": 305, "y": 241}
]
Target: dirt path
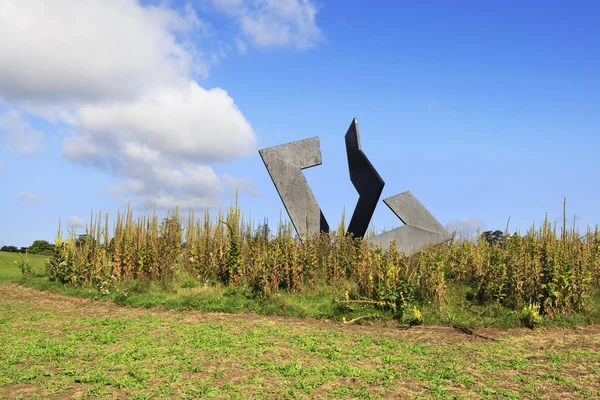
[{"x": 575, "y": 337}]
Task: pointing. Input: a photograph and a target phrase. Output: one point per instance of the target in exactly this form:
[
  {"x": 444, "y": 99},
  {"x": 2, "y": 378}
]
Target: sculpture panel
[
  {"x": 365, "y": 179},
  {"x": 420, "y": 229},
  {"x": 285, "y": 164}
]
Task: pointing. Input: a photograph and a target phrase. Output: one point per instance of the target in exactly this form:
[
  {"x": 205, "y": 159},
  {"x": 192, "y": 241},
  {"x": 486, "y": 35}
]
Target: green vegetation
[
  {"x": 54, "y": 347},
  {"x": 78, "y": 347},
  {"x": 60, "y": 347},
  {"x": 545, "y": 275},
  {"x": 10, "y": 264},
  {"x": 324, "y": 302}
]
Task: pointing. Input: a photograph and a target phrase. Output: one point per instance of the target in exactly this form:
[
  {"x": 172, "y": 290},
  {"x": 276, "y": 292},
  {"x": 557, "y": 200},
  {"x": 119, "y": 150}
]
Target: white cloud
[
  {"x": 20, "y": 137},
  {"x": 188, "y": 121},
  {"x": 167, "y": 184},
  {"x": 275, "y": 23},
  {"x": 160, "y": 145},
  {"x": 465, "y": 227},
  {"x": 73, "y": 50},
  {"x": 2, "y": 165},
  {"x": 121, "y": 76},
  {"x": 33, "y": 197},
  {"x": 75, "y": 223}
]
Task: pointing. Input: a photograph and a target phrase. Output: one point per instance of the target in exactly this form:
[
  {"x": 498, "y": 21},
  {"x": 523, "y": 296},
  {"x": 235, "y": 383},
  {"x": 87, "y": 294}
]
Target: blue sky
[{"x": 483, "y": 110}]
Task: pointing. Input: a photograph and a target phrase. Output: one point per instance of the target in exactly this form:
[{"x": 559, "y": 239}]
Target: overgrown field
[
  {"x": 546, "y": 272},
  {"x": 65, "y": 347},
  {"x": 362, "y": 307}
]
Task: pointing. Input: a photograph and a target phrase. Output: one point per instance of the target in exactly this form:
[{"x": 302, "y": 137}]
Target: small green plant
[
  {"x": 416, "y": 317},
  {"x": 530, "y": 315},
  {"x": 189, "y": 283},
  {"x": 27, "y": 268},
  {"x": 106, "y": 286},
  {"x": 23, "y": 264}
]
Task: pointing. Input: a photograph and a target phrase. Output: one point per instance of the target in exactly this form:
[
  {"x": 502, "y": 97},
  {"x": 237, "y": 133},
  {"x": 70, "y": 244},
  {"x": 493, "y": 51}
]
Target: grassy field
[
  {"x": 8, "y": 269},
  {"x": 66, "y": 347},
  {"x": 319, "y": 303}
]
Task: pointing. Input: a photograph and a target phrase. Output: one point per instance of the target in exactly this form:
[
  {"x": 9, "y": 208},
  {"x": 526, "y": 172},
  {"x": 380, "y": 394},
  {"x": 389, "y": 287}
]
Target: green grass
[
  {"x": 457, "y": 310},
  {"x": 8, "y": 268},
  {"x": 320, "y": 303},
  {"x": 59, "y": 347}
]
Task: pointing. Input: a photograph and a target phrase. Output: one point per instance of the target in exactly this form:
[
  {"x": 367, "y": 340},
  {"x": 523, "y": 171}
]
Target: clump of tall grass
[{"x": 556, "y": 270}]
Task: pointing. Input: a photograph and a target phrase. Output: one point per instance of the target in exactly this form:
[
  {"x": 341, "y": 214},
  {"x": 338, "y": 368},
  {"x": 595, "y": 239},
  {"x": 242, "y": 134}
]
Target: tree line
[{"x": 42, "y": 247}]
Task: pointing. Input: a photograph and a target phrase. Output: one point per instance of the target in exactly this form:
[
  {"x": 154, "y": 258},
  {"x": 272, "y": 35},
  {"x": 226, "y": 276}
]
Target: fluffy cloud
[
  {"x": 160, "y": 145},
  {"x": 19, "y": 136},
  {"x": 32, "y": 197},
  {"x": 73, "y": 50},
  {"x": 122, "y": 76},
  {"x": 184, "y": 122},
  {"x": 465, "y": 227},
  {"x": 275, "y": 23}
]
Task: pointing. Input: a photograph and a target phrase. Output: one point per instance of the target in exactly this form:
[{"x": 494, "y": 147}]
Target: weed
[{"x": 530, "y": 316}]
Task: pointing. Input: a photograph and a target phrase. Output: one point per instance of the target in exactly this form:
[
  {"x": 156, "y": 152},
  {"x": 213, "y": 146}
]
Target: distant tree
[
  {"x": 42, "y": 247},
  {"x": 82, "y": 239},
  {"x": 263, "y": 231},
  {"x": 493, "y": 237},
  {"x": 10, "y": 249}
]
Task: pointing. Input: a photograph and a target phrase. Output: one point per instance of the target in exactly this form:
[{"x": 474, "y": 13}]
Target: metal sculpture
[
  {"x": 420, "y": 229},
  {"x": 365, "y": 179},
  {"x": 285, "y": 164}
]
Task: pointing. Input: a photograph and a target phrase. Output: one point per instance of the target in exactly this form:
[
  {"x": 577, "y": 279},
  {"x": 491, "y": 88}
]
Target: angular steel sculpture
[
  {"x": 285, "y": 164},
  {"x": 365, "y": 179},
  {"x": 421, "y": 228}
]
